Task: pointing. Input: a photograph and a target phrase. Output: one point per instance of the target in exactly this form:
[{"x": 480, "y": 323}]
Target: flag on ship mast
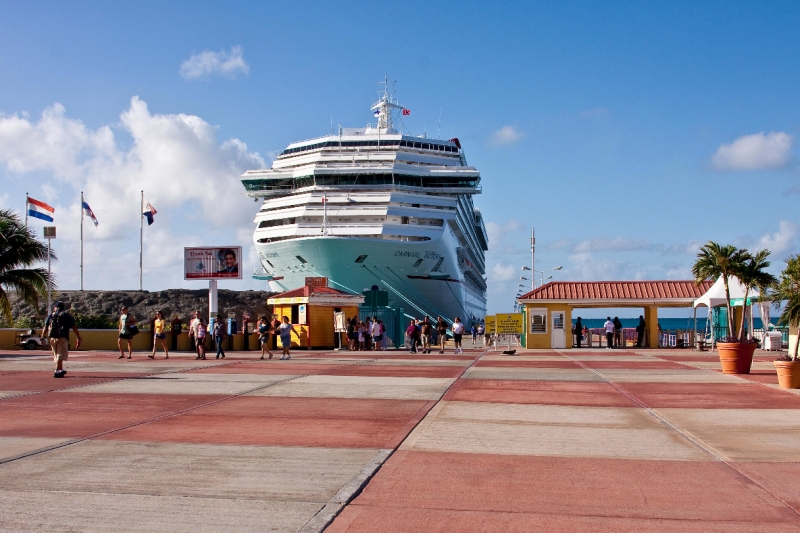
[{"x": 406, "y": 112}]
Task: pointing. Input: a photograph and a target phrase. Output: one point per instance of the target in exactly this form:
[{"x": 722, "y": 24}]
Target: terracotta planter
[
  {"x": 788, "y": 374},
  {"x": 736, "y": 357}
]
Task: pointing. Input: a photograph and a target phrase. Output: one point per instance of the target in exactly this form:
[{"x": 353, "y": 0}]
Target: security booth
[{"x": 311, "y": 310}]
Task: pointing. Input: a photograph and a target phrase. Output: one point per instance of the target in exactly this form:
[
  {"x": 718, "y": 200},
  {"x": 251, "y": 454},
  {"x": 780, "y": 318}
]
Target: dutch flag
[
  {"x": 40, "y": 210},
  {"x": 148, "y": 213},
  {"x": 88, "y": 212}
]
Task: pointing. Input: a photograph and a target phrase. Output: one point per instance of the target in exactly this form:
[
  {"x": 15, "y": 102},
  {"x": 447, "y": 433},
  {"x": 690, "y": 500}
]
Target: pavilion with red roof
[{"x": 548, "y": 309}]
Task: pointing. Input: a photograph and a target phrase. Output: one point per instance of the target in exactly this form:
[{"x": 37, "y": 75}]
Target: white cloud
[
  {"x": 782, "y": 241},
  {"x": 505, "y": 135},
  {"x": 617, "y": 244},
  {"x": 189, "y": 176},
  {"x": 758, "y": 151},
  {"x": 501, "y": 272},
  {"x": 228, "y": 64}
]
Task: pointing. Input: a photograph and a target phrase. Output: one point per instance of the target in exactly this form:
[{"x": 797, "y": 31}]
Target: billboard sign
[
  {"x": 212, "y": 263},
  {"x": 489, "y": 323}
]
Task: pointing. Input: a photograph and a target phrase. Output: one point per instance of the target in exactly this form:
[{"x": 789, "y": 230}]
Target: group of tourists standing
[
  {"x": 369, "y": 334},
  {"x": 424, "y": 334}
]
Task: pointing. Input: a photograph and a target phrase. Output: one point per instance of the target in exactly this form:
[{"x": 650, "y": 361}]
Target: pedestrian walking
[
  {"x": 377, "y": 335},
  {"x": 578, "y": 332},
  {"x": 617, "y": 332},
  {"x": 56, "y": 329},
  {"x": 426, "y": 331},
  {"x": 286, "y": 330},
  {"x": 640, "y": 331},
  {"x": 159, "y": 335},
  {"x": 609, "y": 327},
  {"x": 411, "y": 331},
  {"x": 474, "y": 330},
  {"x": 480, "y": 331},
  {"x": 441, "y": 330},
  {"x": 265, "y": 332},
  {"x": 200, "y": 332},
  {"x": 458, "y": 333},
  {"x": 126, "y": 323},
  {"x": 219, "y": 333}
]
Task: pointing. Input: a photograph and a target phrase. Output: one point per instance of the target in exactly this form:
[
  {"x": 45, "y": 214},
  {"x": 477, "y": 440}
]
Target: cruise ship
[{"x": 374, "y": 206}]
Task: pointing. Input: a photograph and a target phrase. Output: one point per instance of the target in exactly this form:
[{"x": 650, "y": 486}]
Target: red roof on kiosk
[
  {"x": 618, "y": 290},
  {"x": 308, "y": 291}
]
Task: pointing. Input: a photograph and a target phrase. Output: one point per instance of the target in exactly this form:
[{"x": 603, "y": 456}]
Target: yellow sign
[
  {"x": 510, "y": 324},
  {"x": 488, "y": 324}
]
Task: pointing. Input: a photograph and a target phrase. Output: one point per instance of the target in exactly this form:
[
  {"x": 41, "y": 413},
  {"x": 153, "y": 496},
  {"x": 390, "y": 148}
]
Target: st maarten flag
[{"x": 40, "y": 210}]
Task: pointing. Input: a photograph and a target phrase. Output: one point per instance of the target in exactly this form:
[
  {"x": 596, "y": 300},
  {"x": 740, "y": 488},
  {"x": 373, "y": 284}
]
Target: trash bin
[{"x": 772, "y": 341}]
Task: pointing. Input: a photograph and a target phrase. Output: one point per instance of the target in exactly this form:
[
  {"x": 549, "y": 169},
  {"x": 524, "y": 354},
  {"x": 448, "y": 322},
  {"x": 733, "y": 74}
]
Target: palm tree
[
  {"x": 788, "y": 290},
  {"x": 751, "y": 273},
  {"x": 19, "y": 251},
  {"x": 714, "y": 260}
]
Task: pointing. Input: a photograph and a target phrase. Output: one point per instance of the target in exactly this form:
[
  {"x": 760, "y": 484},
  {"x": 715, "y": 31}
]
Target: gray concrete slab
[
  {"x": 9, "y": 393},
  {"x": 162, "y": 385},
  {"x": 548, "y": 430},
  {"x": 326, "y": 386},
  {"x": 743, "y": 434},
  {"x": 199, "y": 470},
  {"x": 222, "y": 378},
  {"x": 12, "y": 446},
  {"x": 532, "y": 374},
  {"x": 100, "y": 513}
]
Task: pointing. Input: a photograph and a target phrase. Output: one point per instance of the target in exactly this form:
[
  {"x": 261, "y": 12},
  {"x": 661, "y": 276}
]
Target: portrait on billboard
[{"x": 227, "y": 261}]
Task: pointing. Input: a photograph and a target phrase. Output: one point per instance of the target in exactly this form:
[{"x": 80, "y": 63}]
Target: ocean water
[{"x": 667, "y": 324}]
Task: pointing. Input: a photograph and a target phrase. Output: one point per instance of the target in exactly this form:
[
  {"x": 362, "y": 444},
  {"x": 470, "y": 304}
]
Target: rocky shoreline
[{"x": 144, "y": 304}]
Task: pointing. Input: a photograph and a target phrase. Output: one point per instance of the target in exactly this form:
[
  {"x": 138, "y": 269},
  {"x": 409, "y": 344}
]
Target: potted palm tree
[
  {"x": 788, "y": 290},
  {"x": 19, "y": 251},
  {"x": 715, "y": 260}
]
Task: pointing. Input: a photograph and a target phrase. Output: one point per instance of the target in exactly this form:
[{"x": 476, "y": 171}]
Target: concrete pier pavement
[{"x": 576, "y": 440}]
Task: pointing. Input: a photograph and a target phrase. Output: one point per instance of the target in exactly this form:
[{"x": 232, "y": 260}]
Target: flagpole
[
  {"x": 141, "y": 238},
  {"x": 82, "y": 240},
  {"x": 26, "y": 210}
]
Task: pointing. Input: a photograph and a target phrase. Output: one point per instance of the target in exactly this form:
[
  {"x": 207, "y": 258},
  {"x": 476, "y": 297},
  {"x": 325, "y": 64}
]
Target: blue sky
[{"x": 625, "y": 133}]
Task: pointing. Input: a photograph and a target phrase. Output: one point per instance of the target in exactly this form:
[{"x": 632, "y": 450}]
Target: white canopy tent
[{"x": 715, "y": 297}]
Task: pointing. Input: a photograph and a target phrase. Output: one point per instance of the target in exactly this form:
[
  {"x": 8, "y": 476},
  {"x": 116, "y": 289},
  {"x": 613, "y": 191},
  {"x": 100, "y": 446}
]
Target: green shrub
[{"x": 94, "y": 322}]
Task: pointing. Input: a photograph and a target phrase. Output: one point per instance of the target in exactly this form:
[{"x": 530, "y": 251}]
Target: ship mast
[{"x": 384, "y": 106}]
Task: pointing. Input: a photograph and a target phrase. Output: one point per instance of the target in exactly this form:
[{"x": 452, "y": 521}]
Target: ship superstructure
[{"x": 373, "y": 206}]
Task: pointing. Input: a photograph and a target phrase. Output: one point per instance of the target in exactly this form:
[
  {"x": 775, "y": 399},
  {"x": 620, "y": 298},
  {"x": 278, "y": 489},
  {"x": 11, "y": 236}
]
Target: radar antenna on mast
[{"x": 384, "y": 105}]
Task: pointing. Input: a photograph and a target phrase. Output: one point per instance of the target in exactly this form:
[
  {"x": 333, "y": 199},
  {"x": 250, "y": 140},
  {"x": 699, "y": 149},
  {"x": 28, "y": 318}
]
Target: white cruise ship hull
[{"x": 393, "y": 266}]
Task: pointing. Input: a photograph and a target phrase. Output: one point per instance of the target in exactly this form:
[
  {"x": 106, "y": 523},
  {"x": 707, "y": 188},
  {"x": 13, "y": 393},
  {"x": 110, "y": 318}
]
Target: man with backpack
[{"x": 56, "y": 328}]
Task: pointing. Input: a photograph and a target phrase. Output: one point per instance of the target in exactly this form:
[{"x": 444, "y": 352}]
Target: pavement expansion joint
[
  {"x": 741, "y": 474},
  {"x": 346, "y": 494}
]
